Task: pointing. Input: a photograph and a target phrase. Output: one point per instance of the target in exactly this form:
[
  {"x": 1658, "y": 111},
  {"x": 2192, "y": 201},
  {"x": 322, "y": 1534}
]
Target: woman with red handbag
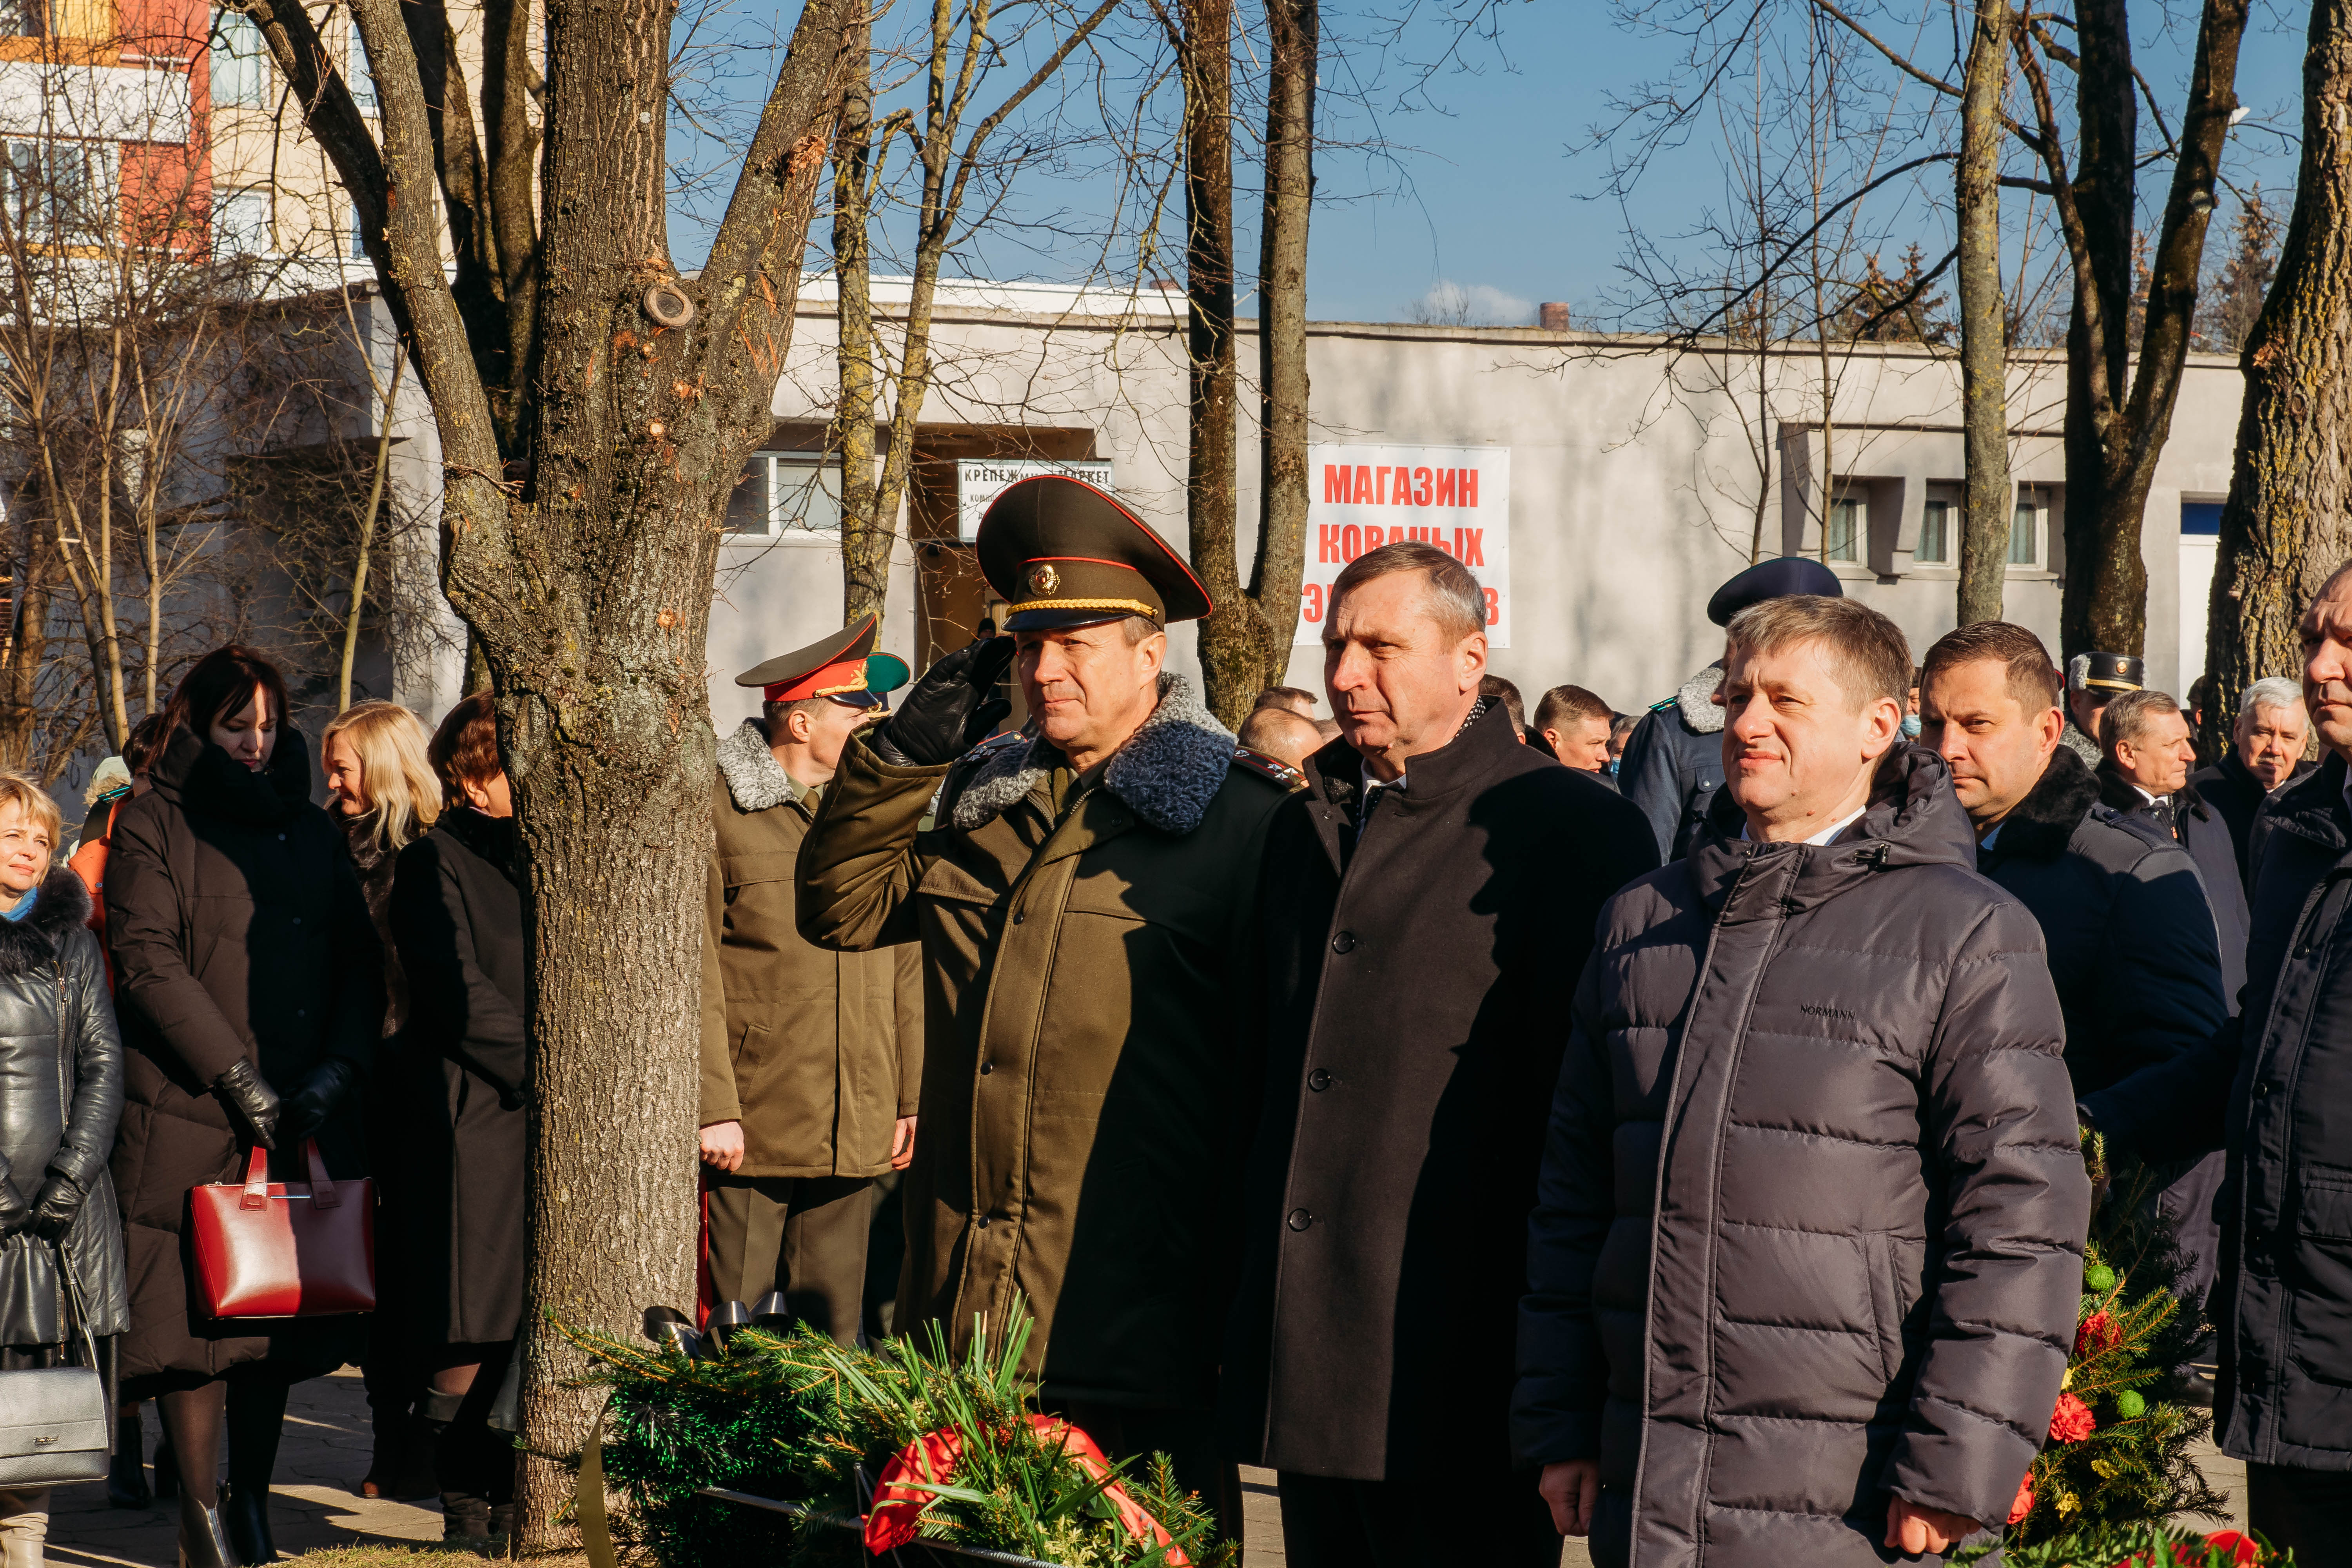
[
  {"x": 60, "y": 1098},
  {"x": 457, "y": 921},
  {"x": 250, "y": 988}
]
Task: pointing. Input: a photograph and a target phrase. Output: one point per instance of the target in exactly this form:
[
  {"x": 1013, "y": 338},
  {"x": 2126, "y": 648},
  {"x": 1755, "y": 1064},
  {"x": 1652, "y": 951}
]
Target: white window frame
[
  {"x": 2034, "y": 499},
  {"x": 1945, "y": 512},
  {"x": 359, "y": 75},
  {"x": 47, "y": 156},
  {"x": 1857, "y": 540},
  {"x": 240, "y": 62},
  {"x": 226, "y": 236},
  {"x": 773, "y": 466}
]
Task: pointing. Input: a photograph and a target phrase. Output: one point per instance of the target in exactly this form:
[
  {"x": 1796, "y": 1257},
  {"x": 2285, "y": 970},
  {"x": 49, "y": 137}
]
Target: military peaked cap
[
  {"x": 1060, "y": 552},
  {"x": 842, "y": 665},
  {"x": 2115, "y": 672}
]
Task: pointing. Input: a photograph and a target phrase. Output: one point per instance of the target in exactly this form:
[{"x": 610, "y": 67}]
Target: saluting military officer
[
  {"x": 1084, "y": 904},
  {"x": 1673, "y": 762},
  {"x": 811, "y": 1058}
]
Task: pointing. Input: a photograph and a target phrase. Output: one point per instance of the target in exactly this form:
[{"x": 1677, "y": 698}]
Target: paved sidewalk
[{"x": 325, "y": 1452}]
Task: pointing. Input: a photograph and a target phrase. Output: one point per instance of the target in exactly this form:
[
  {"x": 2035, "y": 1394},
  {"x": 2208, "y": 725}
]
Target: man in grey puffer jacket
[{"x": 1831, "y": 1310}]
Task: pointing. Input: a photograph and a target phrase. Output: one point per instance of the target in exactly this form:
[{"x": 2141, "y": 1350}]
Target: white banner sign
[
  {"x": 979, "y": 480},
  {"x": 1456, "y": 498}
]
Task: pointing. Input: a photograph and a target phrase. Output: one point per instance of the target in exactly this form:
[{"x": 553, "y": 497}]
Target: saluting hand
[{"x": 950, "y": 710}]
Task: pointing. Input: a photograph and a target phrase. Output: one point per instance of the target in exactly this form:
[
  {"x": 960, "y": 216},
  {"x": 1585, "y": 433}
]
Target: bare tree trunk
[
  {"x": 358, "y": 611},
  {"x": 2117, "y": 417},
  {"x": 1984, "y": 325},
  {"x": 1214, "y": 436},
  {"x": 865, "y": 536},
  {"x": 1245, "y": 643},
  {"x": 2287, "y": 524}
]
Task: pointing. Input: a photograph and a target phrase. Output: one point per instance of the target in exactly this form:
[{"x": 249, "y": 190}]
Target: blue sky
[{"x": 1478, "y": 182}]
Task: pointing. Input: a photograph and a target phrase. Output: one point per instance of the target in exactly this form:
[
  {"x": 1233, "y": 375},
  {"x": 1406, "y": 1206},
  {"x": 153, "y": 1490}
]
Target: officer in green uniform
[
  {"x": 811, "y": 1058},
  {"x": 1084, "y": 902}
]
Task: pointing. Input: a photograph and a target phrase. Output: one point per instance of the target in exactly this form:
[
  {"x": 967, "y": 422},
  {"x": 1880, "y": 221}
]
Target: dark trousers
[
  {"x": 803, "y": 1235},
  {"x": 2310, "y": 1510},
  {"x": 1459, "y": 1521},
  {"x": 1188, "y": 1439}
]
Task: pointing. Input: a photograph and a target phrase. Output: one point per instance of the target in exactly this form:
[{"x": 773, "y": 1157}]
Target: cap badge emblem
[{"x": 1044, "y": 580}]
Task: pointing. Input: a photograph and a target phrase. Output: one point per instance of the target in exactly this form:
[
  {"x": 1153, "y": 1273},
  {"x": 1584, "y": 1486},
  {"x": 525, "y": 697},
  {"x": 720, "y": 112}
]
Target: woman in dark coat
[
  {"x": 457, "y": 921},
  {"x": 249, "y": 982},
  {"x": 60, "y": 1098},
  {"x": 382, "y": 791}
]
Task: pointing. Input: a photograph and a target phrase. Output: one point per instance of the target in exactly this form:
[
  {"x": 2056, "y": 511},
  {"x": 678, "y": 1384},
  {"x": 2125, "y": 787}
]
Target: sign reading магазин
[
  {"x": 979, "y": 480},
  {"x": 1456, "y": 498}
]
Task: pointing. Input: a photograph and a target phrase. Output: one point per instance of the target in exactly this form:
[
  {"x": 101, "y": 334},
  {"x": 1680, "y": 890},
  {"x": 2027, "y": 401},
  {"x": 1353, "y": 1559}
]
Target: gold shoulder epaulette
[{"x": 1275, "y": 768}]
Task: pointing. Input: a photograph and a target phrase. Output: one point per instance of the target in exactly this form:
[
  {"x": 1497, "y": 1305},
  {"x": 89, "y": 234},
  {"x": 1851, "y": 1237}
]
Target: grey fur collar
[
  {"x": 1697, "y": 699},
  {"x": 1167, "y": 773},
  {"x": 753, "y": 777}
]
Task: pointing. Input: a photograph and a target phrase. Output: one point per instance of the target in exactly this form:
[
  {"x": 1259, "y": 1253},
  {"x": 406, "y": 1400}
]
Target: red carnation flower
[
  {"x": 2024, "y": 1503},
  {"x": 2099, "y": 1332},
  {"x": 2072, "y": 1421}
]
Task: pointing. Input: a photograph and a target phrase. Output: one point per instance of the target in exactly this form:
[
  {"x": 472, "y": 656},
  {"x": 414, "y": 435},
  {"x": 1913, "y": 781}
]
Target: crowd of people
[
  {"x": 1501, "y": 1125},
  {"x": 222, "y": 965}
]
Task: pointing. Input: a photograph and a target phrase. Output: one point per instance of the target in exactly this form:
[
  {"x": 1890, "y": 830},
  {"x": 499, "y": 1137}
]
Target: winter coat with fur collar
[
  {"x": 2131, "y": 939},
  {"x": 61, "y": 1099},
  {"x": 816, "y": 1052},
  {"x": 1082, "y": 1100},
  {"x": 239, "y": 934}
]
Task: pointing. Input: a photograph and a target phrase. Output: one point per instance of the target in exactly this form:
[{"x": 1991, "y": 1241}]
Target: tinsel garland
[{"x": 793, "y": 1417}]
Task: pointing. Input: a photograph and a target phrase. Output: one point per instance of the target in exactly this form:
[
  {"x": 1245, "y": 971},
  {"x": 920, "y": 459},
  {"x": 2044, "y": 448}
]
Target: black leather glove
[
  {"x": 950, "y": 710},
  {"x": 15, "y": 1214},
  {"x": 322, "y": 1092},
  {"x": 54, "y": 1210},
  {"x": 251, "y": 1100}
]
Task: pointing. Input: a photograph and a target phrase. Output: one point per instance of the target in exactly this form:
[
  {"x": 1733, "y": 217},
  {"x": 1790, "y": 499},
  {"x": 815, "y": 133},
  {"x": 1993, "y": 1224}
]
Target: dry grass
[{"x": 429, "y": 1554}]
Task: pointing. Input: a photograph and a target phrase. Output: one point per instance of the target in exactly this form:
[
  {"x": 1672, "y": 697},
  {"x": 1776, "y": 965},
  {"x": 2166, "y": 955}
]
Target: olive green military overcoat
[
  {"x": 816, "y": 1052},
  {"x": 1085, "y": 1101}
]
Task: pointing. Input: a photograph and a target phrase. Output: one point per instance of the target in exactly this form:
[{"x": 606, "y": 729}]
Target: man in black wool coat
[{"x": 1428, "y": 900}]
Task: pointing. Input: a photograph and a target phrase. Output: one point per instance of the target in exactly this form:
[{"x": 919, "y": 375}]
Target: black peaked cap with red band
[
  {"x": 1060, "y": 552},
  {"x": 833, "y": 666}
]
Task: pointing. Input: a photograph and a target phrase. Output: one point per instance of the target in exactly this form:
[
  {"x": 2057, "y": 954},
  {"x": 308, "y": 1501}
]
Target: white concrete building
[{"x": 1632, "y": 476}]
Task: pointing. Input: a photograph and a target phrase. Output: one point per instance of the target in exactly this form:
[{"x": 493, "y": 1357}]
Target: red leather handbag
[{"x": 272, "y": 1249}]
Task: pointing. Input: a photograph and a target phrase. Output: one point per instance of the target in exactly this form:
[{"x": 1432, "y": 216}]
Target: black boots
[
  {"x": 246, "y": 1511},
  {"x": 126, "y": 1477},
  {"x": 204, "y": 1542}
]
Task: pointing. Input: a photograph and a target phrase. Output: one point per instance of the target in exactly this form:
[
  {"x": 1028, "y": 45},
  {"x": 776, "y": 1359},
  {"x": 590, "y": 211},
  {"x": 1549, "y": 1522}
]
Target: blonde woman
[{"x": 383, "y": 793}]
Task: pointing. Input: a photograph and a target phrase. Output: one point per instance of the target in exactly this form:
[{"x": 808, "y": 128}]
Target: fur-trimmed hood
[
  {"x": 753, "y": 777},
  {"x": 2039, "y": 826},
  {"x": 33, "y": 942},
  {"x": 1167, "y": 773},
  {"x": 1696, "y": 698}
]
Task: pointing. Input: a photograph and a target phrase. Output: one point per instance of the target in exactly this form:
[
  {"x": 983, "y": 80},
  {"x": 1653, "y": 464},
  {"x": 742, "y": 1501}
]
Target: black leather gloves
[
  {"x": 251, "y": 1100},
  {"x": 54, "y": 1210},
  {"x": 307, "y": 1108},
  {"x": 950, "y": 710}
]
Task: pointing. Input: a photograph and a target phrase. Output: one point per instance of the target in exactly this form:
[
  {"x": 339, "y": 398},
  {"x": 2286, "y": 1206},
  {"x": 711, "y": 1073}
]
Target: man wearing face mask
[
  {"x": 1424, "y": 898},
  {"x": 1084, "y": 902}
]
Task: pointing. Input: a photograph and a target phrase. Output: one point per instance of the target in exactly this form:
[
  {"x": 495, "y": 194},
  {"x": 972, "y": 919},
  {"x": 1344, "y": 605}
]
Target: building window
[
  {"x": 1934, "y": 534},
  {"x": 60, "y": 191},
  {"x": 1845, "y": 525},
  {"x": 360, "y": 75},
  {"x": 23, "y": 18},
  {"x": 240, "y": 62},
  {"x": 785, "y": 492},
  {"x": 2025, "y": 531},
  {"x": 241, "y": 224}
]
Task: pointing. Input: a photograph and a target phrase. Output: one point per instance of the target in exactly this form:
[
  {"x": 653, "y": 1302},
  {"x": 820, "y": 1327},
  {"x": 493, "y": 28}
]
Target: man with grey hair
[
  {"x": 1808, "y": 1245},
  {"x": 1421, "y": 900},
  {"x": 2145, "y": 774},
  {"x": 2265, "y": 755}
]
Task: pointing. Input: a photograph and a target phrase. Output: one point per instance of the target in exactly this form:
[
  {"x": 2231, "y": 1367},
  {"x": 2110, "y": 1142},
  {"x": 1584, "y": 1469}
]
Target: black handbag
[{"x": 54, "y": 1425}]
